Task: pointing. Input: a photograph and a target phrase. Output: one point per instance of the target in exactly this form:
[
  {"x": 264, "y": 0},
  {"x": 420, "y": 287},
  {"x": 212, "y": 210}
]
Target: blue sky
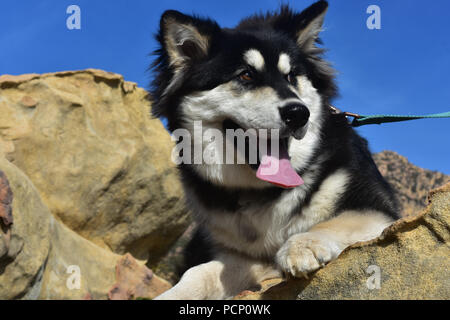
[{"x": 404, "y": 68}]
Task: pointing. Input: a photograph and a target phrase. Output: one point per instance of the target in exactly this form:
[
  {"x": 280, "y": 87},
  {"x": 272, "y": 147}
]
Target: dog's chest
[{"x": 259, "y": 228}]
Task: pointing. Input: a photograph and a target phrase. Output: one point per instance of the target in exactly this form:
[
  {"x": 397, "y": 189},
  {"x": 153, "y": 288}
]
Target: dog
[{"x": 266, "y": 73}]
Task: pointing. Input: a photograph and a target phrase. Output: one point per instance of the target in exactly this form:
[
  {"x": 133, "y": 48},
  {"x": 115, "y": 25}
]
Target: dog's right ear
[
  {"x": 185, "y": 39},
  {"x": 305, "y": 26}
]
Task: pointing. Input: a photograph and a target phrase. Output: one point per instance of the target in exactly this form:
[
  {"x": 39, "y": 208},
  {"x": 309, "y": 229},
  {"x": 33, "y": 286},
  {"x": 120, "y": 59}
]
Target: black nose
[{"x": 294, "y": 115}]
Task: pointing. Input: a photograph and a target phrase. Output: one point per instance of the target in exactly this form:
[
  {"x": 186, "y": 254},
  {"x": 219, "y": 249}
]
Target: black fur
[{"x": 197, "y": 251}]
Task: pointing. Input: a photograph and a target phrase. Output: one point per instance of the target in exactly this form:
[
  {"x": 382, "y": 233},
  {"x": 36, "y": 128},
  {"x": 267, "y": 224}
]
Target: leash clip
[
  {"x": 351, "y": 114},
  {"x": 355, "y": 116},
  {"x": 335, "y": 110}
]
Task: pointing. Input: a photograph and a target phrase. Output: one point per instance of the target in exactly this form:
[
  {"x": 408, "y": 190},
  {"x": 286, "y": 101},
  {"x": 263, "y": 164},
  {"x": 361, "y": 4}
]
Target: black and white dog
[{"x": 266, "y": 73}]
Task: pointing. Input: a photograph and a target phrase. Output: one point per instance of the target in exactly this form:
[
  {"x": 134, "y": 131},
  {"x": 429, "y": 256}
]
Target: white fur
[
  {"x": 322, "y": 203},
  {"x": 274, "y": 223},
  {"x": 222, "y": 278},
  {"x": 257, "y": 109},
  {"x": 284, "y": 63},
  {"x": 301, "y": 151},
  {"x": 250, "y": 110},
  {"x": 306, "y": 252},
  {"x": 255, "y": 59}
]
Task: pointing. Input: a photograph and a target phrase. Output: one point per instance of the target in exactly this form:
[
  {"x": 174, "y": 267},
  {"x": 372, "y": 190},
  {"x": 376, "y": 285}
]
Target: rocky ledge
[{"x": 410, "y": 260}]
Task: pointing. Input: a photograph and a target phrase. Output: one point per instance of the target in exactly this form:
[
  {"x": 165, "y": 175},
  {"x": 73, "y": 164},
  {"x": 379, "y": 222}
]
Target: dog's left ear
[
  {"x": 305, "y": 26},
  {"x": 184, "y": 38}
]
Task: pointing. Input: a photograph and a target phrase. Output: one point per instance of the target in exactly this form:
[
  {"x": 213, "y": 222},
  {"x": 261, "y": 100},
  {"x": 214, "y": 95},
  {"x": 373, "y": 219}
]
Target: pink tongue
[{"x": 278, "y": 170}]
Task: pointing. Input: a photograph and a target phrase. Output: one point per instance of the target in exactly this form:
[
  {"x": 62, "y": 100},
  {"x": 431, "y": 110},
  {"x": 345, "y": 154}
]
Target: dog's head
[{"x": 267, "y": 73}]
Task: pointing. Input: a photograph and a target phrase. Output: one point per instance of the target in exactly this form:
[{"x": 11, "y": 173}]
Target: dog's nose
[{"x": 294, "y": 115}]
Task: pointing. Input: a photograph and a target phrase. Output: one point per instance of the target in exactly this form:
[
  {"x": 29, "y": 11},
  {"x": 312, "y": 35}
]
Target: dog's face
[{"x": 264, "y": 74}]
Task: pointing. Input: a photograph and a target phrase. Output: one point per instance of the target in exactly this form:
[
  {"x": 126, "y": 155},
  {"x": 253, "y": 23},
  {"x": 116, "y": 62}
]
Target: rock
[
  {"x": 98, "y": 270},
  {"x": 76, "y": 267},
  {"x": 6, "y": 218},
  {"x": 5, "y": 201},
  {"x": 25, "y": 245},
  {"x": 136, "y": 281},
  {"x": 412, "y": 258},
  {"x": 172, "y": 264},
  {"x": 411, "y": 183},
  {"x": 100, "y": 163},
  {"x": 47, "y": 260}
]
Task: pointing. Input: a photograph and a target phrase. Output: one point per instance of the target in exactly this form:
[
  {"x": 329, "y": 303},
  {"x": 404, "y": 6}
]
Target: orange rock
[{"x": 136, "y": 281}]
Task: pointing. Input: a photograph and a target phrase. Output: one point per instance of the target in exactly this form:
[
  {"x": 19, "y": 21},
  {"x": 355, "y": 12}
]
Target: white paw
[{"x": 306, "y": 252}]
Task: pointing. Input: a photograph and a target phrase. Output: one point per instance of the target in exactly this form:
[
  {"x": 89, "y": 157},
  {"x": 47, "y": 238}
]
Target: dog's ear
[
  {"x": 184, "y": 38},
  {"x": 311, "y": 22},
  {"x": 305, "y": 26}
]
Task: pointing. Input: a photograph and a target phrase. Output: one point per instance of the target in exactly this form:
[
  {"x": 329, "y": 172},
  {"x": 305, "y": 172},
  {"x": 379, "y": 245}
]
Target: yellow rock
[
  {"x": 100, "y": 163},
  {"x": 43, "y": 259},
  {"x": 26, "y": 242}
]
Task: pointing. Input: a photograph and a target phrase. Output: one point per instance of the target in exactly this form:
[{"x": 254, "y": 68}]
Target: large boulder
[
  {"x": 410, "y": 260},
  {"x": 99, "y": 162},
  {"x": 40, "y": 258}
]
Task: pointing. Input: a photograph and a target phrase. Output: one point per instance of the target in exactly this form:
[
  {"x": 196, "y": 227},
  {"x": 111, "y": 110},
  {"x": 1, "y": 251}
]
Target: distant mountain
[{"x": 411, "y": 183}]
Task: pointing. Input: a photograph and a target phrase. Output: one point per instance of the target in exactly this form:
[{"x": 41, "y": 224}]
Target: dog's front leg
[
  {"x": 222, "y": 278},
  {"x": 306, "y": 252}
]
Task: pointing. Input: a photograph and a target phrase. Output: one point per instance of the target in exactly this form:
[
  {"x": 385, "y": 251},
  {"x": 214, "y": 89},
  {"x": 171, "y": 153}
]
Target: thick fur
[{"x": 249, "y": 229}]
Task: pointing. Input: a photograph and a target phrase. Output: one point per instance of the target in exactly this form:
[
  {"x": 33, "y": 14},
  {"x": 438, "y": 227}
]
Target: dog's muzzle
[{"x": 295, "y": 116}]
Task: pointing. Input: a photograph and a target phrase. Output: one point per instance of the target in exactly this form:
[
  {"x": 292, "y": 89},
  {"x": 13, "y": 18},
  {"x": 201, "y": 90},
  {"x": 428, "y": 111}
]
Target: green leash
[{"x": 360, "y": 120}]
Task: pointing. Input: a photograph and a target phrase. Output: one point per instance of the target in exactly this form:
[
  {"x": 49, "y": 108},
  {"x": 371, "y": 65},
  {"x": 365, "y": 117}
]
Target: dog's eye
[
  {"x": 290, "y": 78},
  {"x": 246, "y": 76}
]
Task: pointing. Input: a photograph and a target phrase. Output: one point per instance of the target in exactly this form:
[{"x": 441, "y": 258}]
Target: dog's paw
[{"x": 306, "y": 252}]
